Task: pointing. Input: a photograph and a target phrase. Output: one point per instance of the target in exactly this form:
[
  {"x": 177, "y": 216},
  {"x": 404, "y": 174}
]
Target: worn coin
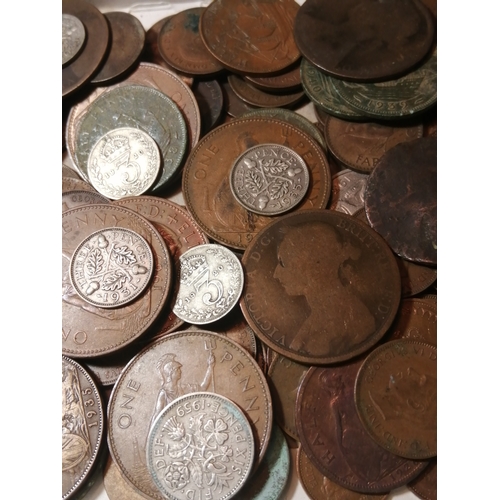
[
  {"x": 211, "y": 282},
  {"x": 320, "y": 287},
  {"x": 425, "y": 485},
  {"x": 269, "y": 179},
  {"x": 348, "y": 191},
  {"x": 234, "y": 106},
  {"x": 200, "y": 444},
  {"x": 286, "y": 81},
  {"x": 395, "y": 397},
  {"x": 73, "y": 36},
  {"x": 82, "y": 426},
  {"x": 116, "y": 486},
  {"x": 73, "y": 199},
  {"x": 124, "y": 162},
  {"x": 210, "y": 99},
  {"x": 72, "y": 184}
]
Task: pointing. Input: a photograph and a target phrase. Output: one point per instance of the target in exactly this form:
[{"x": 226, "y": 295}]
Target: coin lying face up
[{"x": 73, "y": 36}]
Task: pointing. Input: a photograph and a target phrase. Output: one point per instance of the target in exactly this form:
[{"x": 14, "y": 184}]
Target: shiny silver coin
[
  {"x": 200, "y": 446},
  {"x": 348, "y": 191},
  {"x": 111, "y": 267},
  {"x": 269, "y": 179},
  {"x": 73, "y": 36},
  {"x": 124, "y": 162},
  {"x": 210, "y": 284}
]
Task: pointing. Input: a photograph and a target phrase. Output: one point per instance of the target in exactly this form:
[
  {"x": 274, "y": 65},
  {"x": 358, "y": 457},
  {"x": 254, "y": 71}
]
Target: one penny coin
[
  {"x": 425, "y": 485},
  {"x": 73, "y": 199},
  {"x": 287, "y": 81}
]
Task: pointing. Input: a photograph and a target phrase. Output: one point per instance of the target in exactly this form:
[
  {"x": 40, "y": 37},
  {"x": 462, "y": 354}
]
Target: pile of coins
[{"x": 249, "y": 245}]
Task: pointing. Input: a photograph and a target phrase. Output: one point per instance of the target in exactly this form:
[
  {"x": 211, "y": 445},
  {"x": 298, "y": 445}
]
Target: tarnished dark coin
[
  {"x": 234, "y": 106},
  {"x": 364, "y": 40},
  {"x": 73, "y": 199},
  {"x": 205, "y": 182},
  {"x": 320, "y": 286},
  {"x": 73, "y": 37},
  {"x": 396, "y": 397},
  {"x": 210, "y": 99},
  {"x": 180, "y": 44},
  {"x": 348, "y": 191},
  {"x": 82, "y": 427},
  {"x": 79, "y": 71},
  {"x": 361, "y": 145},
  {"x": 251, "y": 37},
  {"x": 286, "y": 81},
  {"x": 401, "y": 200},
  {"x": 425, "y": 485}
]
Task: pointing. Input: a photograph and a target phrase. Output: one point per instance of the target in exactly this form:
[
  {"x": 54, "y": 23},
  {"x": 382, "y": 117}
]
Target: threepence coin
[
  {"x": 200, "y": 446},
  {"x": 124, "y": 162},
  {"x": 269, "y": 179},
  {"x": 111, "y": 267},
  {"x": 73, "y": 36}
]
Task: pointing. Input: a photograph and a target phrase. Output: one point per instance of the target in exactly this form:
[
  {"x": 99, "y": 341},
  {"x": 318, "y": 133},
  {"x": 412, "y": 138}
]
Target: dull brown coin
[
  {"x": 205, "y": 182},
  {"x": 78, "y": 72},
  {"x": 335, "y": 440},
  {"x": 425, "y": 486},
  {"x": 401, "y": 199},
  {"x": 286, "y": 81},
  {"x": 116, "y": 486},
  {"x": 127, "y": 38},
  {"x": 320, "y": 286},
  {"x": 361, "y": 145},
  {"x": 72, "y": 184},
  {"x": 180, "y": 44},
  {"x": 234, "y": 106},
  {"x": 319, "y": 487},
  {"x": 251, "y": 37},
  {"x": 88, "y": 330},
  {"x": 395, "y": 397},
  {"x": 210, "y": 99},
  {"x": 364, "y": 40},
  {"x": 177, "y": 364},
  {"x": 260, "y": 98},
  {"x": 72, "y": 199}
]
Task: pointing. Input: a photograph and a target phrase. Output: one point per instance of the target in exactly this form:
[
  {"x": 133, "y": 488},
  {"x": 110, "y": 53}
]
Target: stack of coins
[{"x": 250, "y": 251}]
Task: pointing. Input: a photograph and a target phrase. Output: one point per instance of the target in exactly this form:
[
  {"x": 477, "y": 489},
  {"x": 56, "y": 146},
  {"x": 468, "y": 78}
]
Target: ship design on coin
[{"x": 111, "y": 267}]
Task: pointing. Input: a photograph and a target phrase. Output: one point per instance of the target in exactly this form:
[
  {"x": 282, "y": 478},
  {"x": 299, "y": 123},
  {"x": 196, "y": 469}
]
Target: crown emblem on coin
[
  {"x": 192, "y": 268},
  {"x": 114, "y": 147}
]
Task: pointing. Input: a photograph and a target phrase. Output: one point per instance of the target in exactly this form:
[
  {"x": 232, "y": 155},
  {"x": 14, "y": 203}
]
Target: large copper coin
[
  {"x": 320, "y": 286},
  {"x": 335, "y": 440},
  {"x": 205, "y": 182},
  {"x": 117, "y": 488},
  {"x": 251, "y": 37},
  {"x": 178, "y": 364},
  {"x": 364, "y": 40},
  {"x": 286, "y": 81},
  {"x": 401, "y": 200},
  {"x": 425, "y": 485},
  {"x": 210, "y": 99},
  {"x": 73, "y": 199},
  {"x": 396, "y": 397},
  {"x": 233, "y": 105},
  {"x": 88, "y": 330},
  {"x": 80, "y": 70}
]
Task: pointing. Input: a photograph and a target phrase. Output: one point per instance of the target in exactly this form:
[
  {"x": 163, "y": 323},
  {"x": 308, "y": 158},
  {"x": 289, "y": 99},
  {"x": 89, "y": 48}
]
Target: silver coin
[
  {"x": 210, "y": 284},
  {"x": 200, "y": 446},
  {"x": 123, "y": 162},
  {"x": 348, "y": 191},
  {"x": 269, "y": 179},
  {"x": 73, "y": 36},
  {"x": 111, "y": 267}
]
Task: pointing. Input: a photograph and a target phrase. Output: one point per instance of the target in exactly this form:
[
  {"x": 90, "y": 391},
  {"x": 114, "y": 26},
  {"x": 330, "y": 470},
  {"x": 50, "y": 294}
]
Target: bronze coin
[
  {"x": 127, "y": 38},
  {"x": 320, "y": 286},
  {"x": 361, "y": 145},
  {"x": 205, "y": 182},
  {"x": 395, "y": 397},
  {"x": 286, "y": 81},
  {"x": 364, "y": 40},
  {"x": 256, "y": 97},
  {"x": 210, "y": 99},
  {"x": 80, "y": 70},
  {"x": 87, "y": 330},
  {"x": 72, "y": 199},
  {"x": 335, "y": 440},
  {"x": 181, "y": 46},
  {"x": 234, "y": 106},
  {"x": 116, "y": 486},
  {"x": 425, "y": 485},
  {"x": 253, "y": 37},
  {"x": 401, "y": 199},
  {"x": 72, "y": 184}
]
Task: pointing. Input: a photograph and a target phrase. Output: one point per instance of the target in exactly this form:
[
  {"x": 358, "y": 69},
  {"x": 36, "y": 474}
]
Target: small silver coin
[
  {"x": 200, "y": 446},
  {"x": 124, "y": 162},
  {"x": 269, "y": 179},
  {"x": 111, "y": 267},
  {"x": 210, "y": 284},
  {"x": 73, "y": 36},
  {"x": 348, "y": 191}
]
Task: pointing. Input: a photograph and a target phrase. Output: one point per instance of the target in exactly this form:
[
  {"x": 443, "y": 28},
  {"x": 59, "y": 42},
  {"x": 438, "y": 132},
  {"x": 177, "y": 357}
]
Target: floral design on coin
[
  {"x": 201, "y": 442},
  {"x": 111, "y": 267},
  {"x": 73, "y": 36},
  {"x": 211, "y": 282},
  {"x": 269, "y": 179},
  {"x": 124, "y": 162}
]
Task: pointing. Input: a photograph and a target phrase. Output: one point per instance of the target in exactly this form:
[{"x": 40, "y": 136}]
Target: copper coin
[
  {"x": 88, "y": 330},
  {"x": 364, "y": 40},
  {"x": 425, "y": 485},
  {"x": 319, "y": 487},
  {"x": 180, "y": 44},
  {"x": 395, "y": 396},
  {"x": 361, "y": 145},
  {"x": 335, "y": 440},
  {"x": 127, "y": 38},
  {"x": 286, "y": 81},
  {"x": 320, "y": 287},
  {"x": 348, "y": 192},
  {"x": 116, "y": 486},
  {"x": 80, "y": 70},
  {"x": 251, "y": 37},
  {"x": 205, "y": 182},
  {"x": 256, "y": 97},
  {"x": 177, "y": 364},
  {"x": 234, "y": 106},
  {"x": 210, "y": 99},
  {"x": 401, "y": 200},
  {"x": 72, "y": 184},
  {"x": 73, "y": 199}
]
